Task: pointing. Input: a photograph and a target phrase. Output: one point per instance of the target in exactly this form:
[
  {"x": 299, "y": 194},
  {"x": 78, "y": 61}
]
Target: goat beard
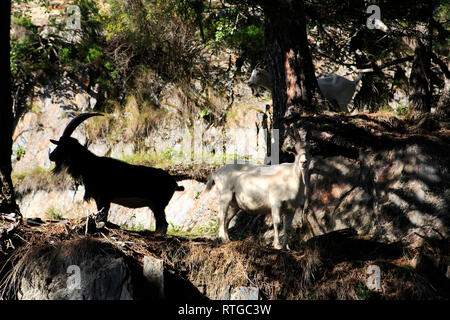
[
  {"x": 62, "y": 167},
  {"x": 59, "y": 167}
]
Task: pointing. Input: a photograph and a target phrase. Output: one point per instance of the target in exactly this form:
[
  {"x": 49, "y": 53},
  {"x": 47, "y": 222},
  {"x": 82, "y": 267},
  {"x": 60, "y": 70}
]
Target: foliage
[
  {"x": 27, "y": 55},
  {"x": 151, "y": 158},
  {"x": 239, "y": 28},
  {"x": 441, "y": 43},
  {"x": 138, "y": 228},
  {"x": 402, "y": 110},
  {"x": 208, "y": 230},
  {"x": 138, "y": 121},
  {"x": 20, "y": 152},
  {"x": 204, "y": 113},
  {"x": 38, "y": 55},
  {"x": 53, "y": 214},
  {"x": 159, "y": 34},
  {"x": 365, "y": 294},
  {"x": 135, "y": 48},
  {"x": 341, "y": 36},
  {"x": 374, "y": 93}
]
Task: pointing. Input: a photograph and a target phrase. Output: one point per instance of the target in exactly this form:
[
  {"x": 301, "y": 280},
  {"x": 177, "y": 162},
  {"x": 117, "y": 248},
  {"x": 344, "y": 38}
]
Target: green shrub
[
  {"x": 53, "y": 214},
  {"x": 20, "y": 152},
  {"x": 365, "y": 294},
  {"x": 402, "y": 110}
]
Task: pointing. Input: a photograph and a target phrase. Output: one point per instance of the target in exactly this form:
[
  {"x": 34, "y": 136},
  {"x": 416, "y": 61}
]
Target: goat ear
[{"x": 54, "y": 142}]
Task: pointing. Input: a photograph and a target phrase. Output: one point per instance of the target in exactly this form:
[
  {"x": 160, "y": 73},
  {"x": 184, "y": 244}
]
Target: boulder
[
  {"x": 245, "y": 293},
  {"x": 396, "y": 195},
  {"x": 75, "y": 270}
]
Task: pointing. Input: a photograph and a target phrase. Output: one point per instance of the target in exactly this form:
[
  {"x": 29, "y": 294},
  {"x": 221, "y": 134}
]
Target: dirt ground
[{"x": 332, "y": 266}]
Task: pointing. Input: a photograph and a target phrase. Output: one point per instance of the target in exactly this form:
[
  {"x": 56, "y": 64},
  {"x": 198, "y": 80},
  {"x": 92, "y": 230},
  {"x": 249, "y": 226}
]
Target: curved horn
[{"x": 75, "y": 122}]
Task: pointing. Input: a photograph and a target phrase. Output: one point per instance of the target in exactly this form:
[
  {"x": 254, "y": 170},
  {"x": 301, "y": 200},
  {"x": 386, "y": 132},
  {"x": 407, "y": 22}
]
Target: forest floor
[{"x": 331, "y": 266}]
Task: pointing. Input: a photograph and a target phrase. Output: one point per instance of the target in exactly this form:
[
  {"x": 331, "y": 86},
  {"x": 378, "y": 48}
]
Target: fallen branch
[{"x": 5, "y": 233}]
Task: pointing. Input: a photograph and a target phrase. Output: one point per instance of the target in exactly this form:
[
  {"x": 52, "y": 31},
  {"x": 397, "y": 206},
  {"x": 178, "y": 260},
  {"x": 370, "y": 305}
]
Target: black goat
[{"x": 108, "y": 180}]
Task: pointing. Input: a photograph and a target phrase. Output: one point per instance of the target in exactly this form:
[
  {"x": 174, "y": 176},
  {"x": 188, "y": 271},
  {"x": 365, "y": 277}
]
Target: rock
[
  {"x": 63, "y": 274},
  {"x": 188, "y": 210},
  {"x": 398, "y": 195},
  {"x": 100, "y": 148},
  {"x": 56, "y": 103},
  {"x": 66, "y": 203},
  {"x": 400, "y": 98},
  {"x": 179, "y": 209},
  {"x": 390, "y": 195},
  {"x": 82, "y": 100},
  {"x": 138, "y": 219},
  {"x": 245, "y": 293},
  {"x": 121, "y": 149},
  {"x": 239, "y": 293},
  {"x": 18, "y": 32},
  {"x": 225, "y": 295},
  {"x": 203, "y": 212},
  {"x": 154, "y": 274}
]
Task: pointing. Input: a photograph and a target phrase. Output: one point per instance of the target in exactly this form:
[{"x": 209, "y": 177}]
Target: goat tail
[
  {"x": 210, "y": 182},
  {"x": 179, "y": 188}
]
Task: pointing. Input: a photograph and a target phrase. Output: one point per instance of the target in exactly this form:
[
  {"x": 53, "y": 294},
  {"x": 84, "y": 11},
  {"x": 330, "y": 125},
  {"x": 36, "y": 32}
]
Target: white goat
[
  {"x": 263, "y": 189},
  {"x": 260, "y": 78},
  {"x": 334, "y": 88}
]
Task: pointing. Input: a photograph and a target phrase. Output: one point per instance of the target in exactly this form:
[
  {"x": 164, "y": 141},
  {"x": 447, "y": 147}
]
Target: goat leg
[
  {"x": 287, "y": 221},
  {"x": 160, "y": 221},
  {"x": 232, "y": 210},
  {"x": 224, "y": 204},
  {"x": 102, "y": 214},
  {"x": 276, "y": 218}
]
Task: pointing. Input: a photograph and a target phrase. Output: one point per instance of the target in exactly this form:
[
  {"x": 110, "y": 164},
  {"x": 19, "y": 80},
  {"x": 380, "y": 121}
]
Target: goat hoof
[
  {"x": 161, "y": 231},
  {"x": 224, "y": 240},
  {"x": 100, "y": 225}
]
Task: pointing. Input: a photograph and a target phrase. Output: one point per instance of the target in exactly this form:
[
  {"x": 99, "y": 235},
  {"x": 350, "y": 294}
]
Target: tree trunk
[
  {"x": 420, "y": 78},
  {"x": 7, "y": 199},
  {"x": 294, "y": 84},
  {"x": 420, "y": 96}
]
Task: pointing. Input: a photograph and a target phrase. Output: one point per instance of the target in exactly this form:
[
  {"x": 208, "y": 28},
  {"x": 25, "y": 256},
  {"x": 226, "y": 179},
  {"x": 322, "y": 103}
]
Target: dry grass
[
  {"x": 39, "y": 179},
  {"x": 48, "y": 259},
  {"x": 213, "y": 266},
  {"x": 140, "y": 119},
  {"x": 330, "y": 267},
  {"x": 130, "y": 123},
  {"x": 98, "y": 127}
]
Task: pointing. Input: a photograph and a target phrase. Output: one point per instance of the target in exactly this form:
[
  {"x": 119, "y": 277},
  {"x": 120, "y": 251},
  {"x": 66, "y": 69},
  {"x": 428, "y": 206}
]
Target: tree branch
[
  {"x": 441, "y": 64},
  {"x": 371, "y": 65}
]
